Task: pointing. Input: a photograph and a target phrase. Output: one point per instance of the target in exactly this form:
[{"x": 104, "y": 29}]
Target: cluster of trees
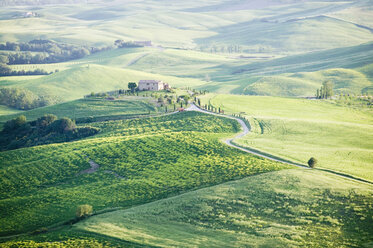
[
  {"x": 326, "y": 90},
  {"x": 132, "y": 86},
  {"x": 48, "y": 129},
  {"x": 22, "y": 99},
  {"x": 358, "y": 101},
  {"x": 126, "y": 44},
  {"x": 47, "y": 52}
]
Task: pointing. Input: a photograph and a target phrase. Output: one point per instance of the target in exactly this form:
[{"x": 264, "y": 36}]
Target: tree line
[
  {"x": 126, "y": 44},
  {"x": 47, "y": 52},
  {"x": 5, "y": 70},
  {"x": 47, "y": 129}
]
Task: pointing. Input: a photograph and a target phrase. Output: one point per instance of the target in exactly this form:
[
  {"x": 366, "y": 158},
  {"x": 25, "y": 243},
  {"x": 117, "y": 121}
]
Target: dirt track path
[
  {"x": 93, "y": 169},
  {"x": 133, "y": 61}
]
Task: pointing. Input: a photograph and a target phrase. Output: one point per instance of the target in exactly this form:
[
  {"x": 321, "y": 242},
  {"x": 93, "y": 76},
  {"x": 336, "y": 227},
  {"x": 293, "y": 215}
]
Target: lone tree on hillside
[
  {"x": 83, "y": 211},
  {"x": 132, "y": 86},
  {"x": 312, "y": 162}
]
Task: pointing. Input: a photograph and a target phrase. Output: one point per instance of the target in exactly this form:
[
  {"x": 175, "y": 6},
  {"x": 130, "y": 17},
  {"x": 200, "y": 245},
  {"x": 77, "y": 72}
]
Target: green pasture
[
  {"x": 346, "y": 81},
  {"x": 289, "y": 208},
  {"x": 4, "y": 110},
  {"x": 90, "y": 107},
  {"x": 181, "y": 63},
  {"x": 41, "y": 186},
  {"x": 298, "y": 35},
  {"x": 339, "y": 137}
]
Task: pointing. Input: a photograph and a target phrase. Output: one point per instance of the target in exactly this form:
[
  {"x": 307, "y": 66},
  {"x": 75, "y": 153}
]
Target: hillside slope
[
  {"x": 339, "y": 137},
  {"x": 294, "y": 208},
  {"x": 76, "y": 82},
  {"x": 291, "y": 36}
]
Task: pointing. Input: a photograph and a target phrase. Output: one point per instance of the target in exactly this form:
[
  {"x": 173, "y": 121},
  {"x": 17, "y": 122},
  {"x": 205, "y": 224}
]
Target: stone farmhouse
[{"x": 153, "y": 85}]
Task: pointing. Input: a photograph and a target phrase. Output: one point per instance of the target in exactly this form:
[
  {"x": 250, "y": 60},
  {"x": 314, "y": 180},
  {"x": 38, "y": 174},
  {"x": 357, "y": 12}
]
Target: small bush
[
  {"x": 83, "y": 211},
  {"x": 312, "y": 162}
]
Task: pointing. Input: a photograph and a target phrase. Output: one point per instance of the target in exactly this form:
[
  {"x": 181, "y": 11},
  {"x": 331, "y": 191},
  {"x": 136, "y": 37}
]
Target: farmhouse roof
[{"x": 150, "y": 81}]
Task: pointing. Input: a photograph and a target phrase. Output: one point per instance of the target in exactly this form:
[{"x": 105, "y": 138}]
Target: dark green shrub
[
  {"x": 63, "y": 125},
  {"x": 312, "y": 162},
  {"x": 46, "y": 120}
]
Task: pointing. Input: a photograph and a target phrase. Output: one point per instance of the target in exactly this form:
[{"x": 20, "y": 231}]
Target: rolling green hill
[
  {"x": 298, "y": 129},
  {"x": 289, "y": 208},
  {"x": 74, "y": 83},
  {"x": 157, "y": 180},
  {"x": 347, "y": 57},
  {"x": 298, "y": 75},
  {"x": 346, "y": 81},
  {"x": 43, "y": 185},
  {"x": 297, "y": 35},
  {"x": 90, "y": 107}
]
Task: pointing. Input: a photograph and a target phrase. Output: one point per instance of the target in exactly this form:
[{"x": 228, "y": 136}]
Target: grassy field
[
  {"x": 296, "y": 34},
  {"x": 297, "y": 75},
  {"x": 4, "y": 110},
  {"x": 293, "y": 208},
  {"x": 306, "y": 83},
  {"x": 90, "y": 107},
  {"x": 41, "y": 185},
  {"x": 182, "y": 63},
  {"x": 339, "y": 137}
]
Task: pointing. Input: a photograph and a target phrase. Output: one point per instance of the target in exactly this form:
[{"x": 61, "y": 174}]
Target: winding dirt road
[{"x": 245, "y": 131}]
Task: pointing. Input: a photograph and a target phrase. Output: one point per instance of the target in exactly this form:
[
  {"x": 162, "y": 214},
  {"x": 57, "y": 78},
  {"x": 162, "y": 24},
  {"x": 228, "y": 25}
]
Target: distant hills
[
  {"x": 272, "y": 47},
  {"x": 38, "y": 2}
]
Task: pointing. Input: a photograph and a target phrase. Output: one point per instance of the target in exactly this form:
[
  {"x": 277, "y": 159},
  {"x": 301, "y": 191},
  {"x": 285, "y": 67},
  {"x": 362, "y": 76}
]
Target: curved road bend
[{"x": 245, "y": 131}]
